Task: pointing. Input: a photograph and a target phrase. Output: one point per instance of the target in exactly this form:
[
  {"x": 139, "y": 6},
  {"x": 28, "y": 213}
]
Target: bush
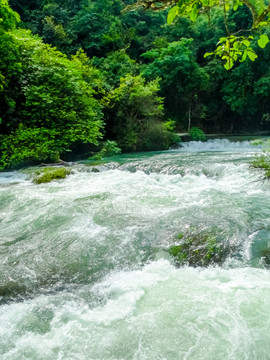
[
  {"x": 27, "y": 146},
  {"x": 263, "y": 162},
  {"x": 51, "y": 103},
  {"x": 137, "y": 110},
  {"x": 110, "y": 148},
  {"x": 156, "y": 137},
  {"x": 48, "y": 174},
  {"x": 197, "y": 134}
]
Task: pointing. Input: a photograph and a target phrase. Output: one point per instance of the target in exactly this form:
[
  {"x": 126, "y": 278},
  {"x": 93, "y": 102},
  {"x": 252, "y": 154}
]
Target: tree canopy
[{"x": 75, "y": 72}]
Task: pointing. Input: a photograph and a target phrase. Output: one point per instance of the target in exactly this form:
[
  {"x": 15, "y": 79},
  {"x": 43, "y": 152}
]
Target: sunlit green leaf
[
  {"x": 263, "y": 40},
  {"x": 251, "y": 55},
  {"x": 244, "y": 56},
  {"x": 228, "y": 65},
  {"x": 207, "y": 54},
  {"x": 246, "y": 43},
  {"x": 172, "y": 14},
  {"x": 194, "y": 13}
]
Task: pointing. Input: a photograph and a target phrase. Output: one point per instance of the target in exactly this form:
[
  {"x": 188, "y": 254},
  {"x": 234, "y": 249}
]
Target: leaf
[
  {"x": 244, "y": 56},
  {"x": 263, "y": 40},
  {"x": 263, "y": 23},
  {"x": 172, "y": 14},
  {"x": 207, "y": 54},
  {"x": 222, "y": 40},
  {"x": 194, "y": 13},
  {"x": 251, "y": 55},
  {"x": 246, "y": 43},
  {"x": 228, "y": 65},
  {"x": 227, "y": 6}
]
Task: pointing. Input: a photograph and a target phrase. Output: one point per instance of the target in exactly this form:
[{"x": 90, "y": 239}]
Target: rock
[{"x": 59, "y": 163}]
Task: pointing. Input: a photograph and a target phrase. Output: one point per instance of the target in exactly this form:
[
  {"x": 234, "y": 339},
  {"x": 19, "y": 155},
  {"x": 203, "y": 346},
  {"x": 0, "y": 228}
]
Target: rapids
[{"x": 86, "y": 273}]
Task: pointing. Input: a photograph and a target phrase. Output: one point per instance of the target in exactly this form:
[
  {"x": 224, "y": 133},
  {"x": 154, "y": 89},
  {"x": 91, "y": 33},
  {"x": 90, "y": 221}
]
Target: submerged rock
[
  {"x": 59, "y": 163},
  {"x": 265, "y": 254},
  {"x": 199, "y": 250}
]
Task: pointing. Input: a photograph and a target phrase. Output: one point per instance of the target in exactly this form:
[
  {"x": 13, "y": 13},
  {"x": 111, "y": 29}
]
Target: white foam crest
[
  {"x": 223, "y": 145},
  {"x": 12, "y": 177},
  {"x": 157, "y": 312}
]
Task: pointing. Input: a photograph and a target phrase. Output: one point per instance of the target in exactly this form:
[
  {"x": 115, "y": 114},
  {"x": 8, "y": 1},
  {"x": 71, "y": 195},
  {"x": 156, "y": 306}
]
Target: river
[{"x": 85, "y": 268}]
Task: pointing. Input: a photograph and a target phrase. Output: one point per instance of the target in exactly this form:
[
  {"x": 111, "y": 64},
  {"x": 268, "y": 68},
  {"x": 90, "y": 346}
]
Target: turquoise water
[{"x": 85, "y": 271}]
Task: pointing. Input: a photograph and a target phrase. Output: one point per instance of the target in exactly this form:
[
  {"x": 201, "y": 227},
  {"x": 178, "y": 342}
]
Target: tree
[
  {"x": 47, "y": 101},
  {"x": 234, "y": 45},
  {"x": 136, "y": 113},
  {"x": 182, "y": 79}
]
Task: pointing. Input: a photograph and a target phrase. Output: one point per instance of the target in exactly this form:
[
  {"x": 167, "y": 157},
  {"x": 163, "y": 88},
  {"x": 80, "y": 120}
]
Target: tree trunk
[{"x": 189, "y": 116}]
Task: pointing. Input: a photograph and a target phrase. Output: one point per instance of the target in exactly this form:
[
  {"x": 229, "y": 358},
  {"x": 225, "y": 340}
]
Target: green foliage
[
  {"x": 234, "y": 48},
  {"x": 230, "y": 48},
  {"x": 197, "y": 134},
  {"x": 135, "y": 107},
  {"x": 169, "y": 125},
  {"x": 48, "y": 174},
  {"x": 116, "y": 65},
  {"x": 48, "y": 101},
  {"x": 263, "y": 41},
  {"x": 172, "y": 14},
  {"x": 27, "y": 146},
  {"x": 182, "y": 79},
  {"x": 263, "y": 162},
  {"x": 44, "y": 91},
  {"x": 157, "y": 137},
  {"x": 8, "y": 18},
  {"x": 109, "y": 148}
]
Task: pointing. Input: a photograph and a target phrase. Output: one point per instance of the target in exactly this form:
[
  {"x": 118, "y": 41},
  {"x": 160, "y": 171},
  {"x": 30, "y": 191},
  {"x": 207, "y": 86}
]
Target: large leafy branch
[{"x": 232, "y": 47}]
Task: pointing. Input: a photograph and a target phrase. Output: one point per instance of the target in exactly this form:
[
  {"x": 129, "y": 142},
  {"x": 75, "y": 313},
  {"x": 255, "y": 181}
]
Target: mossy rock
[
  {"x": 265, "y": 254},
  {"x": 199, "y": 250},
  {"x": 263, "y": 162},
  {"x": 46, "y": 175}
]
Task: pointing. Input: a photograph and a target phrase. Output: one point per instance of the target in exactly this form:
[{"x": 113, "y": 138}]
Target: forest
[{"x": 77, "y": 73}]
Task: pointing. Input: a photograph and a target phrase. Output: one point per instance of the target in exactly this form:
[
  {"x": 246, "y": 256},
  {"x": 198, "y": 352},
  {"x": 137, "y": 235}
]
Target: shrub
[
  {"x": 197, "y": 134},
  {"x": 27, "y": 146},
  {"x": 109, "y": 148},
  {"x": 263, "y": 162},
  {"x": 157, "y": 137}
]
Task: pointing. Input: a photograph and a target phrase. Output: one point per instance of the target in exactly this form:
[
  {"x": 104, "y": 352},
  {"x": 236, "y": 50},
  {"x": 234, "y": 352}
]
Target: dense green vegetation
[{"x": 74, "y": 72}]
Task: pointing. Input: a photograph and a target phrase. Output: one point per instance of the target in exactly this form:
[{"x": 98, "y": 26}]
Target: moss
[
  {"x": 48, "y": 174},
  {"x": 180, "y": 236},
  {"x": 198, "y": 250},
  {"x": 263, "y": 162}
]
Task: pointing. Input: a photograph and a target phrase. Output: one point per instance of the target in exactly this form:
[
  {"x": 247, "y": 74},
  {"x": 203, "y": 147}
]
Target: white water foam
[
  {"x": 223, "y": 145},
  {"x": 84, "y": 248},
  {"x": 158, "y": 312}
]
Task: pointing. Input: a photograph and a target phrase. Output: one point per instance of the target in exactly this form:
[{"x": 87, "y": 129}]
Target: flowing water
[{"x": 85, "y": 271}]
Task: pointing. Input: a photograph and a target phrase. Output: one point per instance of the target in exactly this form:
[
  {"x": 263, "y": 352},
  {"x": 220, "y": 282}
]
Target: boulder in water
[{"x": 199, "y": 250}]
